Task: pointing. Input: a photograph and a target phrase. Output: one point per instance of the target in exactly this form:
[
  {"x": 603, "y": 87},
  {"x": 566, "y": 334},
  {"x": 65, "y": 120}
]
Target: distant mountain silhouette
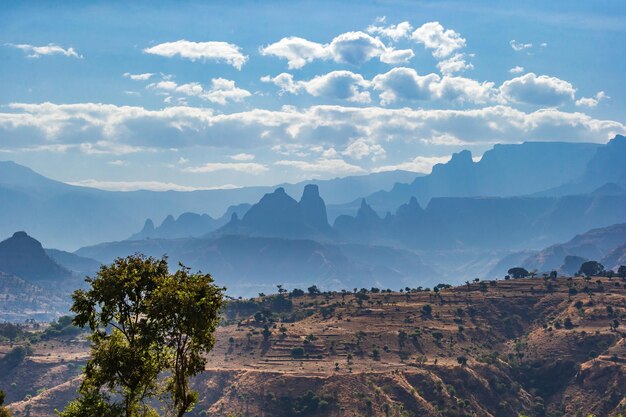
[
  {"x": 615, "y": 258},
  {"x": 49, "y": 209},
  {"x": 77, "y": 264},
  {"x": 597, "y": 244},
  {"x": 187, "y": 224},
  {"x": 23, "y": 256},
  {"x": 279, "y": 215},
  {"x": 504, "y": 171},
  {"x": 607, "y": 166},
  {"x": 248, "y": 265}
]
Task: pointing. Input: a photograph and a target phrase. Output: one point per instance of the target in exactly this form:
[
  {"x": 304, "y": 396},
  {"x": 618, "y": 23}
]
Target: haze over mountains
[{"x": 463, "y": 220}]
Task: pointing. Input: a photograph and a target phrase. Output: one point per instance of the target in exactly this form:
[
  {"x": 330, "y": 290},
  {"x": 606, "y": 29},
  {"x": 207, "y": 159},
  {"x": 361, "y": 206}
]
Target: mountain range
[{"x": 67, "y": 216}]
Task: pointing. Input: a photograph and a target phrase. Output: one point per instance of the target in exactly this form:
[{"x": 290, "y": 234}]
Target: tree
[
  {"x": 591, "y": 268},
  {"x": 621, "y": 271},
  {"x": 313, "y": 290},
  {"x": 4, "y": 412},
  {"x": 518, "y": 272},
  {"x": 462, "y": 360},
  {"x": 145, "y": 323}
]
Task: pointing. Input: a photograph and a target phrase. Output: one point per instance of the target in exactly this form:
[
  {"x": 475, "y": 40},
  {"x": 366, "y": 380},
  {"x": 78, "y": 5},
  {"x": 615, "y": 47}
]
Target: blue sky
[{"x": 189, "y": 95}]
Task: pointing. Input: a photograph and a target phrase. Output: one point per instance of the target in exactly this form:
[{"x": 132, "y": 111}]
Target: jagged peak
[
  {"x": 460, "y": 157},
  {"x": 310, "y": 191},
  {"x": 148, "y": 225}
]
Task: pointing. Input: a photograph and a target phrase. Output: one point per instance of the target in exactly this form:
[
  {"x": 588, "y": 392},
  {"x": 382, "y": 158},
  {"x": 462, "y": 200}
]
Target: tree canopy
[{"x": 149, "y": 330}]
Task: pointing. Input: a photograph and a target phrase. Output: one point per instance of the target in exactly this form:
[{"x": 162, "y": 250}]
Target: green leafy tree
[
  {"x": 591, "y": 268},
  {"x": 145, "y": 323},
  {"x": 518, "y": 272}
]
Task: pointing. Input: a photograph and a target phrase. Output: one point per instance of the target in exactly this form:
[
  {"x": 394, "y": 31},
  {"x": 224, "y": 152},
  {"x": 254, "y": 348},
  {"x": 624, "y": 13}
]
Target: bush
[
  {"x": 297, "y": 352},
  {"x": 13, "y": 358}
]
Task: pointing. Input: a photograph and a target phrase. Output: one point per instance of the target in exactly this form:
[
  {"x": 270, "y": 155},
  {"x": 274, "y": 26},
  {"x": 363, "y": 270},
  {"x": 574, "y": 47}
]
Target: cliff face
[{"x": 506, "y": 348}]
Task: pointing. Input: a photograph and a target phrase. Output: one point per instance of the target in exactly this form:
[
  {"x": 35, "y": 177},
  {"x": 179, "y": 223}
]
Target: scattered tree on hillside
[
  {"x": 4, "y": 412},
  {"x": 621, "y": 271},
  {"x": 591, "y": 268},
  {"x": 145, "y": 324},
  {"x": 518, "y": 272}
]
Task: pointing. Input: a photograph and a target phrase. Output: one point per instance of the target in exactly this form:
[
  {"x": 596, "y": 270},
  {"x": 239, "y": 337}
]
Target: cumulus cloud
[
  {"x": 334, "y": 166},
  {"x": 139, "y": 77},
  {"x": 245, "y": 167},
  {"x": 406, "y": 84},
  {"x": 204, "y": 51},
  {"x": 221, "y": 91},
  {"x": 519, "y": 46},
  {"x": 516, "y": 70},
  {"x": 78, "y": 127},
  {"x": 361, "y": 148},
  {"x": 393, "y": 32},
  {"x": 421, "y": 164},
  {"x": 50, "y": 49},
  {"x": 592, "y": 101},
  {"x": 353, "y": 48},
  {"x": 454, "y": 64},
  {"x": 540, "y": 90},
  {"x": 441, "y": 41},
  {"x": 343, "y": 85},
  {"x": 297, "y": 51}
]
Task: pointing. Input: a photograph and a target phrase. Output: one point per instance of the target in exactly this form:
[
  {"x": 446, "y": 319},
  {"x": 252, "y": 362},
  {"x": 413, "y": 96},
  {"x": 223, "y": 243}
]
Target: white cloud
[
  {"x": 139, "y": 77},
  {"x": 421, "y": 164},
  {"x": 297, "y": 51},
  {"x": 50, "y": 49},
  {"x": 243, "y": 157},
  {"x": 393, "y": 32},
  {"x": 119, "y": 162},
  {"x": 285, "y": 82},
  {"x": 326, "y": 166},
  {"x": 592, "y": 101},
  {"x": 353, "y": 48},
  {"x": 516, "y": 70},
  {"x": 142, "y": 185},
  {"x": 205, "y": 51},
  {"x": 540, "y": 90},
  {"x": 361, "y": 148},
  {"x": 406, "y": 84},
  {"x": 221, "y": 91},
  {"x": 518, "y": 46},
  {"x": 456, "y": 63},
  {"x": 442, "y": 41},
  {"x": 342, "y": 85},
  {"x": 245, "y": 167},
  {"x": 93, "y": 127}
]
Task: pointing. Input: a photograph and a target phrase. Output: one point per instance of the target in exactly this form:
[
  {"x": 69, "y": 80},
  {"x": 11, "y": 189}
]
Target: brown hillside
[{"x": 534, "y": 347}]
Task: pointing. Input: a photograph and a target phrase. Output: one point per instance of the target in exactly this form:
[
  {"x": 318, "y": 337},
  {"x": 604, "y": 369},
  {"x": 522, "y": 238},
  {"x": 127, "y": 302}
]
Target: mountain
[
  {"x": 504, "y": 171},
  {"x": 248, "y": 265},
  {"x": 74, "y": 263},
  {"x": 510, "y": 224},
  {"x": 597, "y": 244},
  {"x": 605, "y": 167},
  {"x": 67, "y": 216},
  {"x": 616, "y": 258},
  {"x": 187, "y": 224},
  {"x": 279, "y": 215},
  {"x": 23, "y": 256}
]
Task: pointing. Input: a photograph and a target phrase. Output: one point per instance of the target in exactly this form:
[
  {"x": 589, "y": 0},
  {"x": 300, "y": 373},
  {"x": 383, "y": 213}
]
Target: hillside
[
  {"x": 505, "y": 348},
  {"x": 603, "y": 244}
]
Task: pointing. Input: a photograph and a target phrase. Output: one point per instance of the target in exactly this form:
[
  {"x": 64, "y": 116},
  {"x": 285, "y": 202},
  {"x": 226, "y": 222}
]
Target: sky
[{"x": 197, "y": 95}]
